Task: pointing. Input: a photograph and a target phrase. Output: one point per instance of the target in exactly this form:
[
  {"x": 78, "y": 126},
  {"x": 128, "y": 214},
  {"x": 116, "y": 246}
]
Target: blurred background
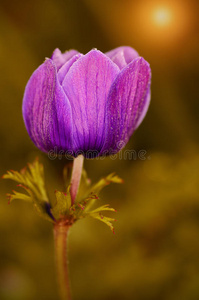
[{"x": 154, "y": 253}]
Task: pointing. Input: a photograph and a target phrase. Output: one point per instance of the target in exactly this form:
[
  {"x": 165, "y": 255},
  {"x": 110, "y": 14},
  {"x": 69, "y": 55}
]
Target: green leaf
[
  {"x": 103, "y": 208},
  {"x": 106, "y": 220},
  {"x": 96, "y": 188},
  {"x": 63, "y": 204},
  {"x": 42, "y": 210},
  {"x": 17, "y": 195},
  {"x": 31, "y": 179},
  {"x": 97, "y": 214}
]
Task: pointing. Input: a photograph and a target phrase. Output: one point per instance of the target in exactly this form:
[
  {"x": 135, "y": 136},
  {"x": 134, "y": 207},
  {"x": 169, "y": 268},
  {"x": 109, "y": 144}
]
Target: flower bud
[{"x": 87, "y": 104}]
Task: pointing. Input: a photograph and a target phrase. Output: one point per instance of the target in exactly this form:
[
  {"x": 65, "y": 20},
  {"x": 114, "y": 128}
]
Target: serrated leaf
[
  {"x": 31, "y": 179},
  {"x": 96, "y": 213},
  {"x": 96, "y": 188},
  {"x": 36, "y": 175},
  {"x": 63, "y": 204},
  {"x": 17, "y": 195},
  {"x": 103, "y": 208},
  {"x": 41, "y": 209},
  {"x": 108, "y": 221},
  {"x": 78, "y": 210}
]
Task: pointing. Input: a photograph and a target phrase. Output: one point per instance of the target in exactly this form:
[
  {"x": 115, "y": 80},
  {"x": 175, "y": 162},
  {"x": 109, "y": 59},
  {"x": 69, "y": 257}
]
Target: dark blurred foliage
[{"x": 154, "y": 254}]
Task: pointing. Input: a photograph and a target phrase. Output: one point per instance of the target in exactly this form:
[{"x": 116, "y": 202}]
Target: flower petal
[
  {"x": 66, "y": 67},
  {"x": 61, "y": 58},
  {"x": 127, "y": 103},
  {"x": 145, "y": 108},
  {"x": 87, "y": 85},
  {"x": 47, "y": 111},
  {"x": 122, "y": 56}
]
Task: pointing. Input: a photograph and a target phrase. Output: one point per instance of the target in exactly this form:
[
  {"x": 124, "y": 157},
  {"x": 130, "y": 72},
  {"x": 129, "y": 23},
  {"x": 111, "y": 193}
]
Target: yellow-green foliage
[{"x": 32, "y": 181}]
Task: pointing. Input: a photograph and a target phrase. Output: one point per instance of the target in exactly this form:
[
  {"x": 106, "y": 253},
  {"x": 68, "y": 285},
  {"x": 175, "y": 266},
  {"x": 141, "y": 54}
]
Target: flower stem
[
  {"x": 76, "y": 176},
  {"x": 60, "y": 238}
]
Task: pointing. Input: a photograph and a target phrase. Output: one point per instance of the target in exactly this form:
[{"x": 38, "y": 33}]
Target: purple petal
[
  {"x": 122, "y": 56},
  {"x": 47, "y": 111},
  {"x": 66, "y": 67},
  {"x": 87, "y": 85},
  {"x": 60, "y": 59},
  {"x": 127, "y": 103},
  {"x": 145, "y": 108}
]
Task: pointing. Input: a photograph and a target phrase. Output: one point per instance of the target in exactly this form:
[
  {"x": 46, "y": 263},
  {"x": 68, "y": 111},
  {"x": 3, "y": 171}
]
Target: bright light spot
[
  {"x": 162, "y": 23},
  {"x": 162, "y": 16}
]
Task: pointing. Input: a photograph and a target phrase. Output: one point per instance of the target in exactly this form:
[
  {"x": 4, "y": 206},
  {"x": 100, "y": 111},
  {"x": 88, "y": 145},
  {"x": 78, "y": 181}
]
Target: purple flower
[{"x": 88, "y": 104}]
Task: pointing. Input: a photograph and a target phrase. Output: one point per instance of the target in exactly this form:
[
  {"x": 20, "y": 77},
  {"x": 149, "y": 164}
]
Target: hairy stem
[
  {"x": 60, "y": 238},
  {"x": 76, "y": 176}
]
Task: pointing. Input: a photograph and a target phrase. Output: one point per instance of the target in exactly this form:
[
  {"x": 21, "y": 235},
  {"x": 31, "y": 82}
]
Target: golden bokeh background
[{"x": 155, "y": 252}]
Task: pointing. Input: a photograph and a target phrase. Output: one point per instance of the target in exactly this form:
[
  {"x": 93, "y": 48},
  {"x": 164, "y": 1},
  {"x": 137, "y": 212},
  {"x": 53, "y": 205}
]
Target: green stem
[
  {"x": 60, "y": 237},
  {"x": 76, "y": 176}
]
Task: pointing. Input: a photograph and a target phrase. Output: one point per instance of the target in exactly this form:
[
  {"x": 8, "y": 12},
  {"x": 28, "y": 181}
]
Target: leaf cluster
[{"x": 31, "y": 180}]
